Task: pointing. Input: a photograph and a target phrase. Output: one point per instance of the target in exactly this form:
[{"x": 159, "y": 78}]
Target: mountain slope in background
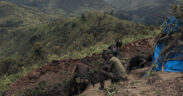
[
  {"x": 131, "y": 5},
  {"x": 67, "y": 7},
  {"x": 143, "y": 11},
  {"x": 12, "y": 16}
]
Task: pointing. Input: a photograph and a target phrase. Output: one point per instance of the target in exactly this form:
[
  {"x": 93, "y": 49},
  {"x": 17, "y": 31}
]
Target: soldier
[
  {"x": 119, "y": 44},
  {"x": 115, "y": 49},
  {"x": 104, "y": 67},
  {"x": 80, "y": 79},
  {"x": 115, "y": 70}
]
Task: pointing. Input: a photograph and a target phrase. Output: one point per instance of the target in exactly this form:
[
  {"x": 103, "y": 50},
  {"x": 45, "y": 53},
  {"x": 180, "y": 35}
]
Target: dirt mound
[{"x": 55, "y": 75}]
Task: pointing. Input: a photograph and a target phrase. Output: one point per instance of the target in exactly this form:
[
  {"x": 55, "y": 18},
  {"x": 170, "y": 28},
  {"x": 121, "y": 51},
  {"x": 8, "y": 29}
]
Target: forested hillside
[
  {"x": 66, "y": 7},
  {"x": 13, "y": 15}
]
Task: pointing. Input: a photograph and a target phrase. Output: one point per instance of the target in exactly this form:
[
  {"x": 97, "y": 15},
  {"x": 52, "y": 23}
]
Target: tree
[{"x": 38, "y": 53}]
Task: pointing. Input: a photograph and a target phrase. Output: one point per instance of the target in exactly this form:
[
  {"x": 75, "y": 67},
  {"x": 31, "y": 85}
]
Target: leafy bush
[{"x": 9, "y": 66}]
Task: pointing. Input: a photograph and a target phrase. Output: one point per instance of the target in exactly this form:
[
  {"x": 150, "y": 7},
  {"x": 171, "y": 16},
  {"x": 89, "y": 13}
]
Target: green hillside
[
  {"x": 13, "y": 15},
  {"x": 62, "y": 36},
  {"x": 25, "y": 48}
]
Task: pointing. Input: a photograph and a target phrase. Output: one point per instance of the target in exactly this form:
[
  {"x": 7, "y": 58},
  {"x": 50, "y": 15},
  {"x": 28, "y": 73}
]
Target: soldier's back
[
  {"x": 117, "y": 67},
  {"x": 82, "y": 70}
]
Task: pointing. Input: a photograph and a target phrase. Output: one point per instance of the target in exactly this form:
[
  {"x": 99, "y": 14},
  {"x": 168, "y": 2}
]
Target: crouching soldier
[
  {"x": 115, "y": 71},
  {"x": 80, "y": 79}
]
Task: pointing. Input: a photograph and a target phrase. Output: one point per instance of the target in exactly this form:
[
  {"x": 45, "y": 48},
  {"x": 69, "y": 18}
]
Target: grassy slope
[{"x": 60, "y": 39}]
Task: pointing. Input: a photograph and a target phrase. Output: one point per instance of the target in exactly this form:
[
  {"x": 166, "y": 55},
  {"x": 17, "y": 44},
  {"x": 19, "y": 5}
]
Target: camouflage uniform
[{"x": 116, "y": 72}]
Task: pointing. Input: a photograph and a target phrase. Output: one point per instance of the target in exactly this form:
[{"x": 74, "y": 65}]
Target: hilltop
[
  {"x": 52, "y": 79},
  {"x": 75, "y": 37}
]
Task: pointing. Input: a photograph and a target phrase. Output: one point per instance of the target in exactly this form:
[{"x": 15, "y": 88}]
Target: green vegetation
[
  {"x": 112, "y": 90},
  {"x": 13, "y": 16},
  {"x": 32, "y": 46}
]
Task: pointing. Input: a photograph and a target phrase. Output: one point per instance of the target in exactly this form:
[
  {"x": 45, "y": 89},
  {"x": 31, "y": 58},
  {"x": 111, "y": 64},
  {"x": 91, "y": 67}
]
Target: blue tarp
[
  {"x": 172, "y": 24},
  {"x": 170, "y": 66}
]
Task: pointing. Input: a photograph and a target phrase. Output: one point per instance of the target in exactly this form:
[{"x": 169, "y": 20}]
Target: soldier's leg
[
  {"x": 72, "y": 86},
  {"x": 102, "y": 80}
]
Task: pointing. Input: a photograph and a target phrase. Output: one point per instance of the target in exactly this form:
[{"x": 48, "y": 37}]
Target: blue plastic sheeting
[
  {"x": 170, "y": 66},
  {"x": 172, "y": 24}
]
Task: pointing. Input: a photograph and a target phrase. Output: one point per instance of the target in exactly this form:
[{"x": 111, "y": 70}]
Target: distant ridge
[
  {"x": 12, "y": 15},
  {"x": 66, "y": 7}
]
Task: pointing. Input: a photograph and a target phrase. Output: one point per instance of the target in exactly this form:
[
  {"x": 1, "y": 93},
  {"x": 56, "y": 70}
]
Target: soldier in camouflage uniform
[{"x": 113, "y": 69}]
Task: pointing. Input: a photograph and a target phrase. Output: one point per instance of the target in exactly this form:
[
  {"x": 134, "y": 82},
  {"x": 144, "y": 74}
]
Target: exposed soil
[
  {"x": 56, "y": 74},
  {"x": 159, "y": 84}
]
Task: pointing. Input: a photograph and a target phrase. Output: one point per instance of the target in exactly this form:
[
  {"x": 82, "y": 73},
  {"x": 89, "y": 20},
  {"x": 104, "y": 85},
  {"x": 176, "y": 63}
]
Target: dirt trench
[{"x": 57, "y": 73}]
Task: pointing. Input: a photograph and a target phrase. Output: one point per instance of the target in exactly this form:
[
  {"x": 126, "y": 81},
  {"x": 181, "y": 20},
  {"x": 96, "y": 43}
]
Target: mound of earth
[
  {"x": 159, "y": 84},
  {"x": 52, "y": 79}
]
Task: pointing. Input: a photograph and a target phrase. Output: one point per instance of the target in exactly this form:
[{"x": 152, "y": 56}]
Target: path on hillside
[{"x": 57, "y": 72}]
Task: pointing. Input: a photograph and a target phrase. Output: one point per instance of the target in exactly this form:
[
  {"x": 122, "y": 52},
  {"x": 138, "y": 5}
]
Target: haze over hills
[
  {"x": 143, "y": 11},
  {"x": 12, "y": 16},
  {"x": 130, "y": 5},
  {"x": 66, "y": 7}
]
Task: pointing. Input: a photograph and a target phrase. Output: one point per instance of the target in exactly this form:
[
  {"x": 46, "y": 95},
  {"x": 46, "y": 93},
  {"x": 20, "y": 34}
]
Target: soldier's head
[
  {"x": 106, "y": 54},
  {"x": 118, "y": 43}
]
